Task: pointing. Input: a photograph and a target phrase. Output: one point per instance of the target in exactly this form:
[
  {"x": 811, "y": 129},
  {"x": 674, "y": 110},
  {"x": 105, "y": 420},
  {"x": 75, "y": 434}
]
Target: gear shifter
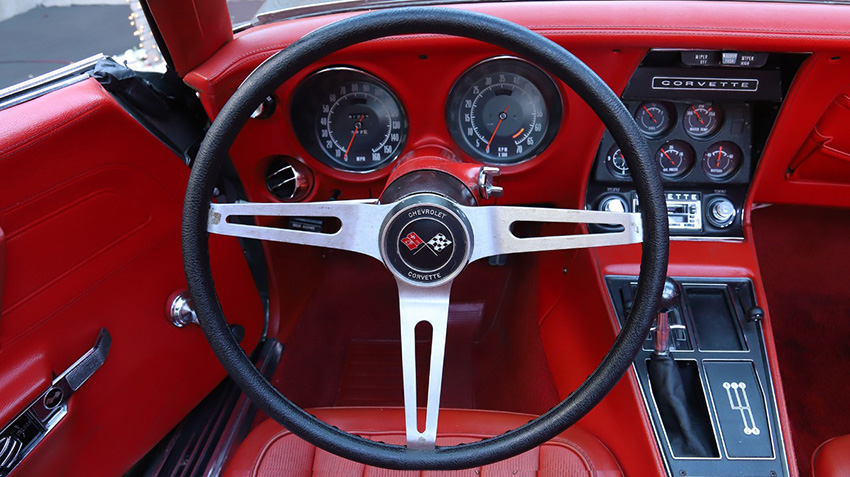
[
  {"x": 683, "y": 421},
  {"x": 670, "y": 297}
]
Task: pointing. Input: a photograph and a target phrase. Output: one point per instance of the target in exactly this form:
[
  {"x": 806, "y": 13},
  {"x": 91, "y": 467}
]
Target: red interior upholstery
[
  {"x": 90, "y": 203},
  {"x": 832, "y": 459},
  {"x": 272, "y": 450}
]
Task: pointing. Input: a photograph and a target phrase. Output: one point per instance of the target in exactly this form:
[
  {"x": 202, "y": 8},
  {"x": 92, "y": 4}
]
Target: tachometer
[
  {"x": 503, "y": 111},
  {"x": 349, "y": 119}
]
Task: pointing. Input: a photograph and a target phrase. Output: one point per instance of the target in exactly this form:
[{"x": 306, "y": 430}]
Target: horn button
[{"x": 426, "y": 241}]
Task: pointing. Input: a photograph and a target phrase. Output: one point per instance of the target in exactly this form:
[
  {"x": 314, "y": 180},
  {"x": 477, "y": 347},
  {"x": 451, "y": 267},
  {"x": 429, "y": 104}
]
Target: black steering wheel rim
[{"x": 416, "y": 20}]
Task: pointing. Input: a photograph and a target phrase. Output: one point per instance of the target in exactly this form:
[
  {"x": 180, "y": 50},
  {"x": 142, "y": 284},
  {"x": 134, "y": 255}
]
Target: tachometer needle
[
  {"x": 356, "y": 128},
  {"x": 698, "y": 116},
  {"x": 650, "y": 115},
  {"x": 501, "y": 118}
]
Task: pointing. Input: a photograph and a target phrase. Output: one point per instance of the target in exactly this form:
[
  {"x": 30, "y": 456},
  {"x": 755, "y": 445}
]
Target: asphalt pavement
[{"x": 46, "y": 38}]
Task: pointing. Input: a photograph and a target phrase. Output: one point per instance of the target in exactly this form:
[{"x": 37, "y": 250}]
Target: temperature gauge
[
  {"x": 703, "y": 120},
  {"x": 675, "y": 158},
  {"x": 616, "y": 163},
  {"x": 722, "y": 160},
  {"x": 654, "y": 118}
]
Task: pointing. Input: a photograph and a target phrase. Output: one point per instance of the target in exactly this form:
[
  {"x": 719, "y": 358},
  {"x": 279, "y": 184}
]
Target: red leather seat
[
  {"x": 271, "y": 450},
  {"x": 832, "y": 458}
]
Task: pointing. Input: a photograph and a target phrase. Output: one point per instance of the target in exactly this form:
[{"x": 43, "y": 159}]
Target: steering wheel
[{"x": 375, "y": 229}]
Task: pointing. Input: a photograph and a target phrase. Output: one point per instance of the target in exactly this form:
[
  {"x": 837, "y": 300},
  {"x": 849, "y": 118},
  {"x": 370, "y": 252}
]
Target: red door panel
[{"x": 90, "y": 204}]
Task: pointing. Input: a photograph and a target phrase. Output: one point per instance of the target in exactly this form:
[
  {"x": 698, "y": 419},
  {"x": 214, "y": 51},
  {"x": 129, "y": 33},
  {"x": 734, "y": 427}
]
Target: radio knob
[
  {"x": 613, "y": 204},
  {"x": 721, "y": 212}
]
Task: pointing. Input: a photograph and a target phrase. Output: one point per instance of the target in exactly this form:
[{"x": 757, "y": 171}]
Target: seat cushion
[
  {"x": 832, "y": 458},
  {"x": 271, "y": 450}
]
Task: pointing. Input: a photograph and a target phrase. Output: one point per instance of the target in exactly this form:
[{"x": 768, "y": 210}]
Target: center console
[
  {"x": 706, "y": 116},
  {"x": 723, "y": 419}
]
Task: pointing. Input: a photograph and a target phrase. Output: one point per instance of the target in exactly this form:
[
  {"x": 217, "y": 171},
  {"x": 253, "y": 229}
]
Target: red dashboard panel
[{"x": 612, "y": 38}]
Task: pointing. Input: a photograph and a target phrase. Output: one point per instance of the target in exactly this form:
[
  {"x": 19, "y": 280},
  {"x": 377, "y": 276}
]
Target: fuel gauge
[
  {"x": 675, "y": 158},
  {"x": 654, "y": 118}
]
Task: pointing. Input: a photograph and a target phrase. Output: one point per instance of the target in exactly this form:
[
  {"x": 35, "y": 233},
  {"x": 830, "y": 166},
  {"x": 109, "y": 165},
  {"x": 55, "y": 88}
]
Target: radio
[{"x": 684, "y": 210}]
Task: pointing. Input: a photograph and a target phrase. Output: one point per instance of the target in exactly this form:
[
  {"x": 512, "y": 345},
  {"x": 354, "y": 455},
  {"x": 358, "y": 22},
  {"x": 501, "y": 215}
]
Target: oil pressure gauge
[{"x": 675, "y": 158}]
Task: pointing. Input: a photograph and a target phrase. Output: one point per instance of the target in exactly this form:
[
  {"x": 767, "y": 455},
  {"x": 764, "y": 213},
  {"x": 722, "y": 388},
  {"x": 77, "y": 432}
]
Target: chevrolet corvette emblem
[{"x": 425, "y": 243}]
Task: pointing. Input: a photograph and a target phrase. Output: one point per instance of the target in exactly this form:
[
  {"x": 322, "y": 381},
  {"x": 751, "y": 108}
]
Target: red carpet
[
  {"x": 804, "y": 256},
  {"x": 344, "y": 351}
]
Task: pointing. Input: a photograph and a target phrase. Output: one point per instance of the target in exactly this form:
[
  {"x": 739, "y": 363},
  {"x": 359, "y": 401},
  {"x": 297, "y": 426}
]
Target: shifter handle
[{"x": 670, "y": 295}]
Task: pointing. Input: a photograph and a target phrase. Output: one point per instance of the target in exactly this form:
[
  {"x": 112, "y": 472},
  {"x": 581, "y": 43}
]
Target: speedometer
[
  {"x": 503, "y": 111},
  {"x": 349, "y": 119}
]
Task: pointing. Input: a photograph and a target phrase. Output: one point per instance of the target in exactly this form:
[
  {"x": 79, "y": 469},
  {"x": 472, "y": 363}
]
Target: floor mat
[{"x": 804, "y": 261}]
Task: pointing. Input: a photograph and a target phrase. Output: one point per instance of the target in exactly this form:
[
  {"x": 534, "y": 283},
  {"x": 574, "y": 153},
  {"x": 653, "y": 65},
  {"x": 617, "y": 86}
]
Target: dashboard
[
  {"x": 705, "y": 114},
  {"x": 793, "y": 51}
]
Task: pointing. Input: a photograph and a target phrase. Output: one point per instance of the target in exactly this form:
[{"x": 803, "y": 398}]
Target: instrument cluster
[
  {"x": 502, "y": 110},
  {"x": 699, "y": 142}
]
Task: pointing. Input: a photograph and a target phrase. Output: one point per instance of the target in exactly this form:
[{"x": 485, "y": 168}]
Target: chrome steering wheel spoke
[
  {"x": 493, "y": 235},
  {"x": 417, "y": 305},
  {"x": 359, "y": 232}
]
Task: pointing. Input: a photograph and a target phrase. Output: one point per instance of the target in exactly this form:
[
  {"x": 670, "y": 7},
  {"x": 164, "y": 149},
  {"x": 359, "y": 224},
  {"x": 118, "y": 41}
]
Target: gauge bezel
[
  {"x": 669, "y": 110},
  {"x": 609, "y": 163},
  {"x": 684, "y": 172},
  {"x": 719, "y": 118},
  {"x": 732, "y": 172},
  {"x": 548, "y": 88},
  {"x": 307, "y": 98}
]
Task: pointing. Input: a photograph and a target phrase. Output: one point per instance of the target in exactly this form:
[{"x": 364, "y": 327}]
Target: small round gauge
[
  {"x": 675, "y": 158},
  {"x": 503, "y": 111},
  {"x": 703, "y": 120},
  {"x": 654, "y": 118},
  {"x": 616, "y": 162},
  {"x": 349, "y": 119},
  {"x": 722, "y": 159}
]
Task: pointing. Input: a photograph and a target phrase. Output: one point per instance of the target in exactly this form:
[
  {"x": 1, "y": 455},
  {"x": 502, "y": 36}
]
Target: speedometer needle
[
  {"x": 501, "y": 118},
  {"x": 356, "y": 128}
]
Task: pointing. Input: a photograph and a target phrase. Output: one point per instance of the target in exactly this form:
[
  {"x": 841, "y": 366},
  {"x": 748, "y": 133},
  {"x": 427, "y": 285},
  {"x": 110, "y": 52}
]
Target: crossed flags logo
[
  {"x": 435, "y": 245},
  {"x": 439, "y": 242}
]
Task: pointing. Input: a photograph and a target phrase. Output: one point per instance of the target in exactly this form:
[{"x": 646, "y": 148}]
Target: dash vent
[{"x": 288, "y": 179}]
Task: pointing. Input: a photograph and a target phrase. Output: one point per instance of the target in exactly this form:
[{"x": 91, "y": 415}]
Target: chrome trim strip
[{"x": 48, "y": 82}]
